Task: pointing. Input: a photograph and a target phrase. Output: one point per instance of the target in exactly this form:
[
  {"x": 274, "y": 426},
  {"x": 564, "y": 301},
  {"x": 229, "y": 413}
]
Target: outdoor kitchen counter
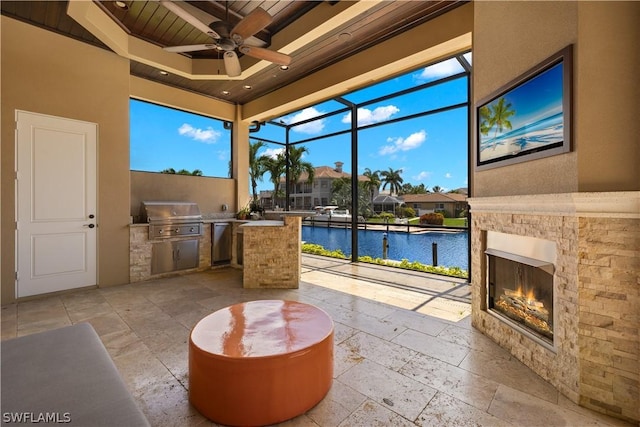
[
  {"x": 271, "y": 252},
  {"x": 142, "y": 247}
]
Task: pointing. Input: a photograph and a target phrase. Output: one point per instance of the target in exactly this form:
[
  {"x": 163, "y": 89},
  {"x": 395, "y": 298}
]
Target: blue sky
[
  {"x": 536, "y": 99},
  {"x": 431, "y": 150},
  {"x": 164, "y": 138}
]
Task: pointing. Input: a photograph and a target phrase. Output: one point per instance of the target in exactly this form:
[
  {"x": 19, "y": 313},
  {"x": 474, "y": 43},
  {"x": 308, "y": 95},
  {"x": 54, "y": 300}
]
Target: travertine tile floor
[{"x": 405, "y": 353}]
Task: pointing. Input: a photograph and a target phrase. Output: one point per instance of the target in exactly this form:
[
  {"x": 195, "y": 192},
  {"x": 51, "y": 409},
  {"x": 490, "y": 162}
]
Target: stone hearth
[{"x": 595, "y": 359}]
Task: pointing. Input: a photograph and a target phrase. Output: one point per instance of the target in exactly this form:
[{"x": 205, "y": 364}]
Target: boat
[{"x": 331, "y": 213}]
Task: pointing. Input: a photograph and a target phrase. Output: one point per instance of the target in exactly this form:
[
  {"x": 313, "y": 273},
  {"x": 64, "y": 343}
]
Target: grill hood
[{"x": 169, "y": 212}]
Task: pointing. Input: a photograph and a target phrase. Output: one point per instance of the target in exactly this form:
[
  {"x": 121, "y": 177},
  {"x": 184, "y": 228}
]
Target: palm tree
[
  {"x": 437, "y": 189},
  {"x": 373, "y": 185},
  {"x": 341, "y": 195},
  {"x": 256, "y": 167},
  {"x": 500, "y": 117},
  {"x": 172, "y": 171},
  {"x": 276, "y": 168},
  {"x": 393, "y": 179},
  {"x": 297, "y": 166},
  {"x": 408, "y": 188},
  {"x": 486, "y": 120}
]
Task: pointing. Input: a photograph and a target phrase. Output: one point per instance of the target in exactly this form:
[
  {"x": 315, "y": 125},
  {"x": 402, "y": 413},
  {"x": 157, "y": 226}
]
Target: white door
[{"x": 56, "y": 203}]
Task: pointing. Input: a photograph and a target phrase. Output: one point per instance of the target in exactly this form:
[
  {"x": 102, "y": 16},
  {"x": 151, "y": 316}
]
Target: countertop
[{"x": 264, "y": 223}]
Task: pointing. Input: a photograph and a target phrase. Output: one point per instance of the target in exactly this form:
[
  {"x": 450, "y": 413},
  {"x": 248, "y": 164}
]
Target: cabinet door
[
  {"x": 221, "y": 241},
  {"x": 162, "y": 257},
  {"x": 187, "y": 254}
]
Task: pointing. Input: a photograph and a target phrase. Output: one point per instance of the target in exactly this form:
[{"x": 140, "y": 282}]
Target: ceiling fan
[{"x": 228, "y": 38}]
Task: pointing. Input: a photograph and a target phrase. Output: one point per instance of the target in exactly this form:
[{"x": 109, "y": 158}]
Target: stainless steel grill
[{"x": 171, "y": 219}]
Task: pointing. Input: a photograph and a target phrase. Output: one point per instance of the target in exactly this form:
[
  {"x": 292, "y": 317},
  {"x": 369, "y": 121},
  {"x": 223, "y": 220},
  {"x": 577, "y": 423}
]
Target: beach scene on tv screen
[{"x": 525, "y": 119}]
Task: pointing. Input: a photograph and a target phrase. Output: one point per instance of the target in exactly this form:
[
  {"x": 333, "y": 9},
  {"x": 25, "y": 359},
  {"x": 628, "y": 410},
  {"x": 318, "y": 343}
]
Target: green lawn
[
  {"x": 450, "y": 222},
  {"x": 455, "y": 222}
]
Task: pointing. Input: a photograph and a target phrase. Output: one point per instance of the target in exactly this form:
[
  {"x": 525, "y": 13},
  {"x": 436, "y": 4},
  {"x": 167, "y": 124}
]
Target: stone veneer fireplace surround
[{"x": 595, "y": 357}]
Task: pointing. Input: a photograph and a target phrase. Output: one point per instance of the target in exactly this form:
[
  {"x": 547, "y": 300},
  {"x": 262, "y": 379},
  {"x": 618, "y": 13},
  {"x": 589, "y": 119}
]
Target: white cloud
[
  {"x": 208, "y": 135},
  {"x": 367, "y": 117},
  {"x": 448, "y": 175},
  {"x": 423, "y": 176},
  {"x": 272, "y": 152},
  {"x": 441, "y": 69},
  {"x": 411, "y": 142},
  {"x": 313, "y": 127}
]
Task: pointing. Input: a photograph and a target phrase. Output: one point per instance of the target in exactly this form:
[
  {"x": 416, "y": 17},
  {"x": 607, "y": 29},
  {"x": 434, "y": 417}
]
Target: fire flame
[{"x": 529, "y": 296}]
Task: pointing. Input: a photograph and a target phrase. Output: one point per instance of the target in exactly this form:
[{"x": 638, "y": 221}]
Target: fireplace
[
  {"x": 591, "y": 240},
  {"x": 520, "y": 284},
  {"x": 522, "y": 292}
]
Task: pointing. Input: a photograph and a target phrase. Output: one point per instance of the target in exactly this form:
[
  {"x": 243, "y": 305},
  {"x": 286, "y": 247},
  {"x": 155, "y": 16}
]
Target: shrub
[
  {"x": 387, "y": 215},
  {"x": 417, "y": 266},
  {"x": 312, "y": 248},
  {"x": 434, "y": 218},
  {"x": 406, "y": 212}
]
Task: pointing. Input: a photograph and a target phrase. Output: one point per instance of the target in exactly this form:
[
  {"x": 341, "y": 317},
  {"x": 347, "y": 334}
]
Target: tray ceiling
[{"x": 315, "y": 34}]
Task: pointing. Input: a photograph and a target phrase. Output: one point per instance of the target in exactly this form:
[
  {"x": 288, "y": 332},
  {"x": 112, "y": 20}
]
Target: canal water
[{"x": 452, "y": 247}]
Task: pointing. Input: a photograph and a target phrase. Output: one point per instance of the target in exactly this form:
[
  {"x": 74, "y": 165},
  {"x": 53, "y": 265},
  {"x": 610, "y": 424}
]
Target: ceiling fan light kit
[
  {"x": 231, "y": 63},
  {"x": 228, "y": 39}
]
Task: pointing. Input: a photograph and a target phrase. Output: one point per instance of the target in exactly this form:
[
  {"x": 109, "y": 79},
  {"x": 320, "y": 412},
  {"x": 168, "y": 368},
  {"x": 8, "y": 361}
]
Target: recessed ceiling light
[
  {"x": 164, "y": 73},
  {"x": 225, "y": 92},
  {"x": 284, "y": 67},
  {"x": 247, "y": 87},
  {"x": 122, "y": 5},
  {"x": 344, "y": 37}
]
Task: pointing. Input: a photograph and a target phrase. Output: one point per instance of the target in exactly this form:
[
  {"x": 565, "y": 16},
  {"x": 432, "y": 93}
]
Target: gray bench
[{"x": 64, "y": 375}]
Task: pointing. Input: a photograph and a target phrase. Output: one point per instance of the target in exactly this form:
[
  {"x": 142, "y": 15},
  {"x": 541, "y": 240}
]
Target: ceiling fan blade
[
  {"x": 173, "y": 7},
  {"x": 266, "y": 54},
  {"x": 255, "y": 21},
  {"x": 189, "y": 48},
  {"x": 232, "y": 64}
]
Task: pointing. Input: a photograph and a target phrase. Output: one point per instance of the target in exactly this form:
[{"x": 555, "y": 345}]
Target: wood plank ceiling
[{"x": 153, "y": 23}]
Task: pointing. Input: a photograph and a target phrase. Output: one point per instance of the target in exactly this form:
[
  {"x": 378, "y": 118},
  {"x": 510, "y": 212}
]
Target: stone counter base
[
  {"x": 140, "y": 254},
  {"x": 272, "y": 254}
]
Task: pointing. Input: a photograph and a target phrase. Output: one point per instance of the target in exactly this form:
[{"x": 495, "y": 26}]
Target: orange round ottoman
[{"x": 260, "y": 362}]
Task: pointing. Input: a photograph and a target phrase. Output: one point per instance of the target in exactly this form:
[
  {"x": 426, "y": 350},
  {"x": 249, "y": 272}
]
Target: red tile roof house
[{"x": 309, "y": 195}]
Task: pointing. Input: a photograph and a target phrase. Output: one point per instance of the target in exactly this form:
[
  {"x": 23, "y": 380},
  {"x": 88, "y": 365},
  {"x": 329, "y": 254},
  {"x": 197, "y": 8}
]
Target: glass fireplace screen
[{"x": 523, "y": 293}]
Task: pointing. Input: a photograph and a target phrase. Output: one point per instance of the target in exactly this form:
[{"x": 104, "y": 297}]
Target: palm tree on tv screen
[
  {"x": 498, "y": 118},
  {"x": 486, "y": 120}
]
